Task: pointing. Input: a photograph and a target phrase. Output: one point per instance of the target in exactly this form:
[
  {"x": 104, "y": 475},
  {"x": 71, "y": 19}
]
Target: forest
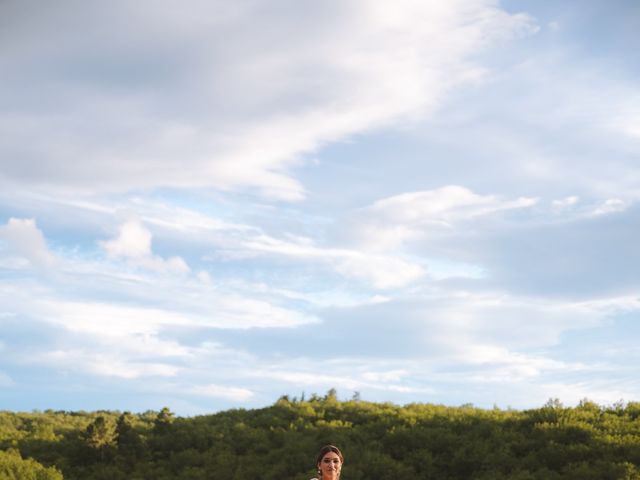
[{"x": 384, "y": 441}]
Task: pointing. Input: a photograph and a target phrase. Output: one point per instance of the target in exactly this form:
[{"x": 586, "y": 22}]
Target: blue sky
[{"x": 209, "y": 206}]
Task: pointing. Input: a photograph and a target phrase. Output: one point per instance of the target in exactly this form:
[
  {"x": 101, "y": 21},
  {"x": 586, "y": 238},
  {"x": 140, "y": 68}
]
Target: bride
[{"x": 329, "y": 463}]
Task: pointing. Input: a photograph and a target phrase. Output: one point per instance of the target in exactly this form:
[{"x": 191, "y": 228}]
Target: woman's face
[{"x": 330, "y": 465}]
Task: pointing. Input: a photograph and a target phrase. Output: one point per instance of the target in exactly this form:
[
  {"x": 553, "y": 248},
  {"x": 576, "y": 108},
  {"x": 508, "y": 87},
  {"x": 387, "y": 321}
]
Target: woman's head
[{"x": 329, "y": 461}]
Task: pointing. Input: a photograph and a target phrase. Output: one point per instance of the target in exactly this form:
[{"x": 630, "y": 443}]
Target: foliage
[
  {"x": 381, "y": 440},
  {"x": 14, "y": 467}
]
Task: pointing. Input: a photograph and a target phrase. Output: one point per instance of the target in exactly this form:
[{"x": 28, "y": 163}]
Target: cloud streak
[{"x": 256, "y": 107}]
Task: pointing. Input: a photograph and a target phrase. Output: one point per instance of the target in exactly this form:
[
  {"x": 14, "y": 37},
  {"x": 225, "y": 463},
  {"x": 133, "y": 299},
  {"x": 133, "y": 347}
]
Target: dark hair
[{"x": 326, "y": 449}]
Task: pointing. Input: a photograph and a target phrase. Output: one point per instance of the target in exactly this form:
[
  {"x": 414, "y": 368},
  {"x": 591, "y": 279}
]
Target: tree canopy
[{"x": 383, "y": 440}]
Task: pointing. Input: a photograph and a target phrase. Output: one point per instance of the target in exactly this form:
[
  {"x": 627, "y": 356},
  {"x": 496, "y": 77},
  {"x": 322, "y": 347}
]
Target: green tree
[
  {"x": 14, "y": 467},
  {"x": 163, "y": 421},
  {"x": 99, "y": 435},
  {"x": 129, "y": 442}
]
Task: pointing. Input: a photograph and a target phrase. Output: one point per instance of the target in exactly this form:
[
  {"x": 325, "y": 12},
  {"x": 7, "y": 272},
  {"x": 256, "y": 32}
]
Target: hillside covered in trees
[{"x": 380, "y": 440}]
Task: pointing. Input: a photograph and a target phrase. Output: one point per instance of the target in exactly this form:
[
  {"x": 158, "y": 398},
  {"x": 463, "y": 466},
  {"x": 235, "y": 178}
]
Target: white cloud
[
  {"x": 129, "y": 319},
  {"x": 204, "y": 277},
  {"x": 496, "y": 330},
  {"x": 611, "y": 205},
  {"x": 168, "y": 265},
  {"x": 104, "y": 364},
  {"x": 26, "y": 240},
  {"x": 242, "y": 111},
  {"x": 514, "y": 322},
  {"x": 238, "y": 101},
  {"x": 242, "y": 312},
  {"x": 389, "y": 222},
  {"x": 633, "y": 128},
  {"x": 113, "y": 367},
  {"x": 134, "y": 342},
  {"x": 603, "y": 392},
  {"x": 565, "y": 202},
  {"x": 381, "y": 271},
  {"x": 222, "y": 391},
  {"x": 225, "y": 310},
  {"x": 388, "y": 376},
  {"x": 625, "y": 118},
  {"x": 107, "y": 319},
  {"x": 498, "y": 364},
  {"x": 134, "y": 243},
  {"x": 343, "y": 376},
  {"x": 442, "y": 206}
]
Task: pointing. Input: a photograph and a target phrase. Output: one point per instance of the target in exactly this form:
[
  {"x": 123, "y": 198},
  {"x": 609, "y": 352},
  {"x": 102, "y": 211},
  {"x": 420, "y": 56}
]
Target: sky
[{"x": 208, "y": 204}]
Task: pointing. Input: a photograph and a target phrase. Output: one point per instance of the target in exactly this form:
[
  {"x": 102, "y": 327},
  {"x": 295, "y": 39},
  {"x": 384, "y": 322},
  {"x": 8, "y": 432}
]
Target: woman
[{"x": 329, "y": 463}]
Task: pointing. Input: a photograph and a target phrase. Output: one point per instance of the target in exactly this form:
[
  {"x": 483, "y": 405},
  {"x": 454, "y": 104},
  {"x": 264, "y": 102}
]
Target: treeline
[{"x": 380, "y": 440}]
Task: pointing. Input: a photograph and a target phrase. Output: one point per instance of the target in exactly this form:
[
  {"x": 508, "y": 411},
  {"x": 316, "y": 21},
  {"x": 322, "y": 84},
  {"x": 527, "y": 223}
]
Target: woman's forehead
[{"x": 331, "y": 455}]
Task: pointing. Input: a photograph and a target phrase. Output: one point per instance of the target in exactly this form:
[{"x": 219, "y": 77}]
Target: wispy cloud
[
  {"x": 222, "y": 391},
  {"x": 381, "y": 271},
  {"x": 611, "y": 205},
  {"x": 388, "y": 222},
  {"x": 255, "y": 106}
]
